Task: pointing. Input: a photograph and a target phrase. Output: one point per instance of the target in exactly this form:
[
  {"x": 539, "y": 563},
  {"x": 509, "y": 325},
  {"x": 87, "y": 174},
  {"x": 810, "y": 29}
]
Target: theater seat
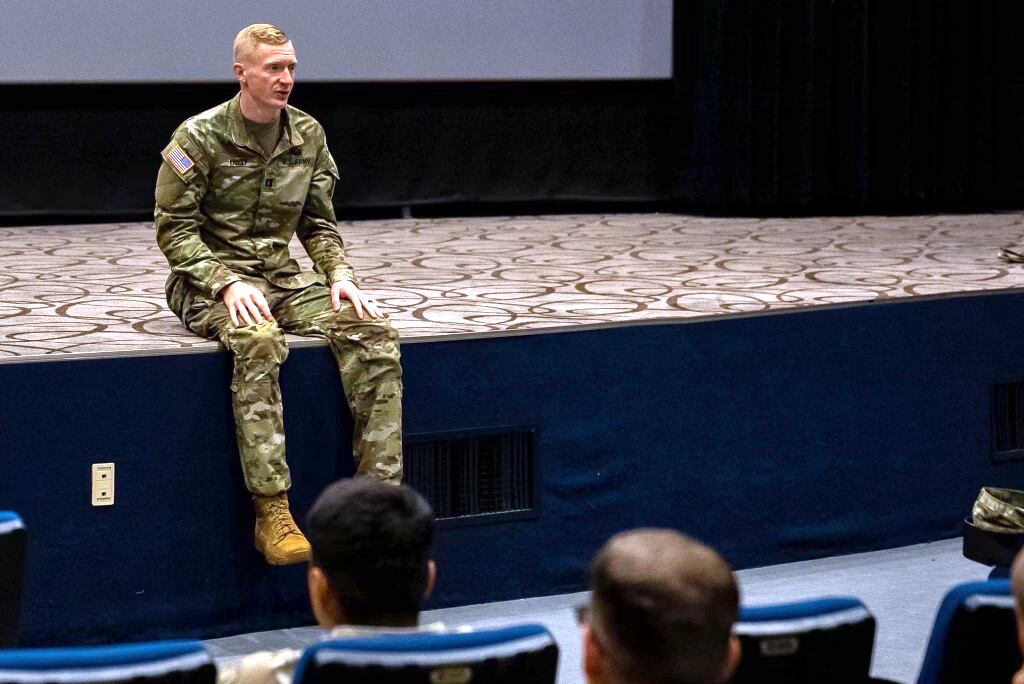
[
  {"x": 512, "y": 655},
  {"x": 158, "y": 662},
  {"x": 12, "y": 572},
  {"x": 824, "y": 640},
  {"x": 974, "y": 639}
]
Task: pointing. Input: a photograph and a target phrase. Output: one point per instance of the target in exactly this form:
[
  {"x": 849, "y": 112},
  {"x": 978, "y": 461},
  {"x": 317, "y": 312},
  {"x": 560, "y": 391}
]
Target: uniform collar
[{"x": 241, "y": 136}]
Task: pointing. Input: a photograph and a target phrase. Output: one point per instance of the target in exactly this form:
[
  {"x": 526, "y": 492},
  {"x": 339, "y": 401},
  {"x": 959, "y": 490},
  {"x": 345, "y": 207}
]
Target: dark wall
[{"x": 78, "y": 150}]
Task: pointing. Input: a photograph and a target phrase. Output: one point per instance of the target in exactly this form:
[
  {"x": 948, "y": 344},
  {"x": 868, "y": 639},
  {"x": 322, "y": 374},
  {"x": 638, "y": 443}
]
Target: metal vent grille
[
  {"x": 1008, "y": 421},
  {"x": 473, "y": 477}
]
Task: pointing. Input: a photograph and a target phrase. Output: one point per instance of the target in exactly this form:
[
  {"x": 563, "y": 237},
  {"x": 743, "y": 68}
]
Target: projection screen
[{"x": 149, "y": 41}]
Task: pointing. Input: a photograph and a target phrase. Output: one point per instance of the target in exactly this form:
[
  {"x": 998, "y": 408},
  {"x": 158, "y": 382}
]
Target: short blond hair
[{"x": 254, "y": 34}]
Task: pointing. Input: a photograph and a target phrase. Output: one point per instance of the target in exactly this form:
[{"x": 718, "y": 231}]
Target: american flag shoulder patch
[{"x": 177, "y": 158}]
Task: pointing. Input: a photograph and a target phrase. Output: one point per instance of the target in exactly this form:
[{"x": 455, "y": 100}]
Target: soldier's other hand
[
  {"x": 246, "y": 304},
  {"x": 346, "y": 289}
]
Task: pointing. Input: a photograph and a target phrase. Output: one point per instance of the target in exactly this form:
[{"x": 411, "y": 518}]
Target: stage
[
  {"x": 97, "y": 290},
  {"x": 784, "y": 389}
]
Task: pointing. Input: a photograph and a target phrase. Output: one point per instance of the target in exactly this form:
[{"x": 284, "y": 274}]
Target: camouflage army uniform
[{"x": 225, "y": 211}]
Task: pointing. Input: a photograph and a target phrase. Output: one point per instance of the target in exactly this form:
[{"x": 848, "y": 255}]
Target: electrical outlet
[{"x": 102, "y": 484}]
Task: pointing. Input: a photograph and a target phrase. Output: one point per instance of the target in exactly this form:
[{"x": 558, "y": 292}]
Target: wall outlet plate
[{"x": 102, "y": 484}]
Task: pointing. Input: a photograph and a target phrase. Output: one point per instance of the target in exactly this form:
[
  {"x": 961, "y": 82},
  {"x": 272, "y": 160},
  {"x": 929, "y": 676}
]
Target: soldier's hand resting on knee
[
  {"x": 247, "y": 304},
  {"x": 346, "y": 289}
]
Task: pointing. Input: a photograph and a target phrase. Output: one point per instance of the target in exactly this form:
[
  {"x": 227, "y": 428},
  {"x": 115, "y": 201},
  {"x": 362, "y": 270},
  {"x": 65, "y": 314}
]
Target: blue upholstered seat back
[
  {"x": 974, "y": 639},
  {"x": 12, "y": 571},
  {"x": 159, "y": 662},
  {"x": 513, "y": 655},
  {"x": 824, "y": 640}
]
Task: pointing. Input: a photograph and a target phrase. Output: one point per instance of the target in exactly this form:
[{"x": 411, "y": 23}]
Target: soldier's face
[{"x": 269, "y": 74}]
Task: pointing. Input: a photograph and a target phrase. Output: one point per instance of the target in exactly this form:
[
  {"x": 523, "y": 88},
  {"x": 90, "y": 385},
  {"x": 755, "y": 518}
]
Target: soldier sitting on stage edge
[{"x": 236, "y": 183}]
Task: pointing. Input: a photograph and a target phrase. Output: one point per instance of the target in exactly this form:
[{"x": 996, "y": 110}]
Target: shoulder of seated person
[
  {"x": 263, "y": 667},
  {"x": 350, "y": 631}
]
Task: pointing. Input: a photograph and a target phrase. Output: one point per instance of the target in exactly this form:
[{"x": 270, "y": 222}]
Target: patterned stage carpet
[{"x": 98, "y": 289}]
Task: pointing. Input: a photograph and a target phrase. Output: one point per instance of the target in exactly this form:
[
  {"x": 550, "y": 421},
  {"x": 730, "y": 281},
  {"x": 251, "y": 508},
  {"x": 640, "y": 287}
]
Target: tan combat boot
[{"x": 277, "y": 536}]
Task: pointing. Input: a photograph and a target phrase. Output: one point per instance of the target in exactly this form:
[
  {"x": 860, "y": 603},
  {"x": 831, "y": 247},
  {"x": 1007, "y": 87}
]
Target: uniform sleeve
[
  {"x": 318, "y": 228},
  {"x": 180, "y": 187}
]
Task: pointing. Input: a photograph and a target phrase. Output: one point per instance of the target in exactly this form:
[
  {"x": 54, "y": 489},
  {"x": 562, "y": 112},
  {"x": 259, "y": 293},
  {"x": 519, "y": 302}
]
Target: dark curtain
[
  {"x": 848, "y": 105},
  {"x": 70, "y": 152}
]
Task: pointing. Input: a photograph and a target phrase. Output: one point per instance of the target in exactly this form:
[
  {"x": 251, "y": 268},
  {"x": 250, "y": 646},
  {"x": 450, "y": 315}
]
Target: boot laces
[{"x": 281, "y": 519}]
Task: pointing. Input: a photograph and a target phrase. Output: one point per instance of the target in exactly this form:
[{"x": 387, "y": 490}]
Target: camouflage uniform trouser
[{"x": 368, "y": 358}]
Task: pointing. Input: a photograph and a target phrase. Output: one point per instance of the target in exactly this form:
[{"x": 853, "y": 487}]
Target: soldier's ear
[
  {"x": 431, "y": 577},
  {"x": 732, "y": 659},
  {"x": 326, "y": 609},
  {"x": 595, "y": 665},
  {"x": 239, "y": 72}
]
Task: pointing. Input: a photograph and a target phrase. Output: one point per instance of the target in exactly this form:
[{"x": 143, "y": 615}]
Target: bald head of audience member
[
  {"x": 1017, "y": 587},
  {"x": 662, "y": 610}
]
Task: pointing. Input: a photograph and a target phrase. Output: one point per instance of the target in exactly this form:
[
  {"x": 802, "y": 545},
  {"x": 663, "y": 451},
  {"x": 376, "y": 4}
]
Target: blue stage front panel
[{"x": 775, "y": 438}]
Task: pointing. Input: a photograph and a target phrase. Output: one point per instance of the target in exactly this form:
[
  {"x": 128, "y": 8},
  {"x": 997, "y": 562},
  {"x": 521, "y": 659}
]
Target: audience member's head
[
  {"x": 371, "y": 554},
  {"x": 1017, "y": 587},
  {"x": 662, "y": 610}
]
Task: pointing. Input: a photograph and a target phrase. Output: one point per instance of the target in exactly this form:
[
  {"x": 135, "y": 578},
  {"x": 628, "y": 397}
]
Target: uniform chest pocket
[
  {"x": 235, "y": 183},
  {"x": 292, "y": 184}
]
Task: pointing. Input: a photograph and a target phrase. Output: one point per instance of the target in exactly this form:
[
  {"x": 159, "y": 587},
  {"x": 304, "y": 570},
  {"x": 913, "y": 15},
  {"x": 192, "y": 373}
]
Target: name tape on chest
[{"x": 177, "y": 158}]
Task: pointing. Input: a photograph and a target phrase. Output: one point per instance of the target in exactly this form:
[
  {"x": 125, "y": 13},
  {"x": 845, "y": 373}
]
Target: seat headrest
[
  {"x": 823, "y": 613},
  {"x": 10, "y": 521},
  {"x": 427, "y": 649},
  {"x": 102, "y": 663},
  {"x": 989, "y": 601}
]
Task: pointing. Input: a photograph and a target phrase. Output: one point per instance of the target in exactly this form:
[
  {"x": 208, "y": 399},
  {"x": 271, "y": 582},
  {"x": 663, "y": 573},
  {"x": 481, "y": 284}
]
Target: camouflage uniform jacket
[{"x": 232, "y": 210}]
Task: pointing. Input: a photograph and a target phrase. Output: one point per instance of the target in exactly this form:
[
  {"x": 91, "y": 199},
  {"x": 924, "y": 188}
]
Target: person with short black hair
[
  {"x": 662, "y": 610},
  {"x": 369, "y": 573},
  {"x": 371, "y": 554}
]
